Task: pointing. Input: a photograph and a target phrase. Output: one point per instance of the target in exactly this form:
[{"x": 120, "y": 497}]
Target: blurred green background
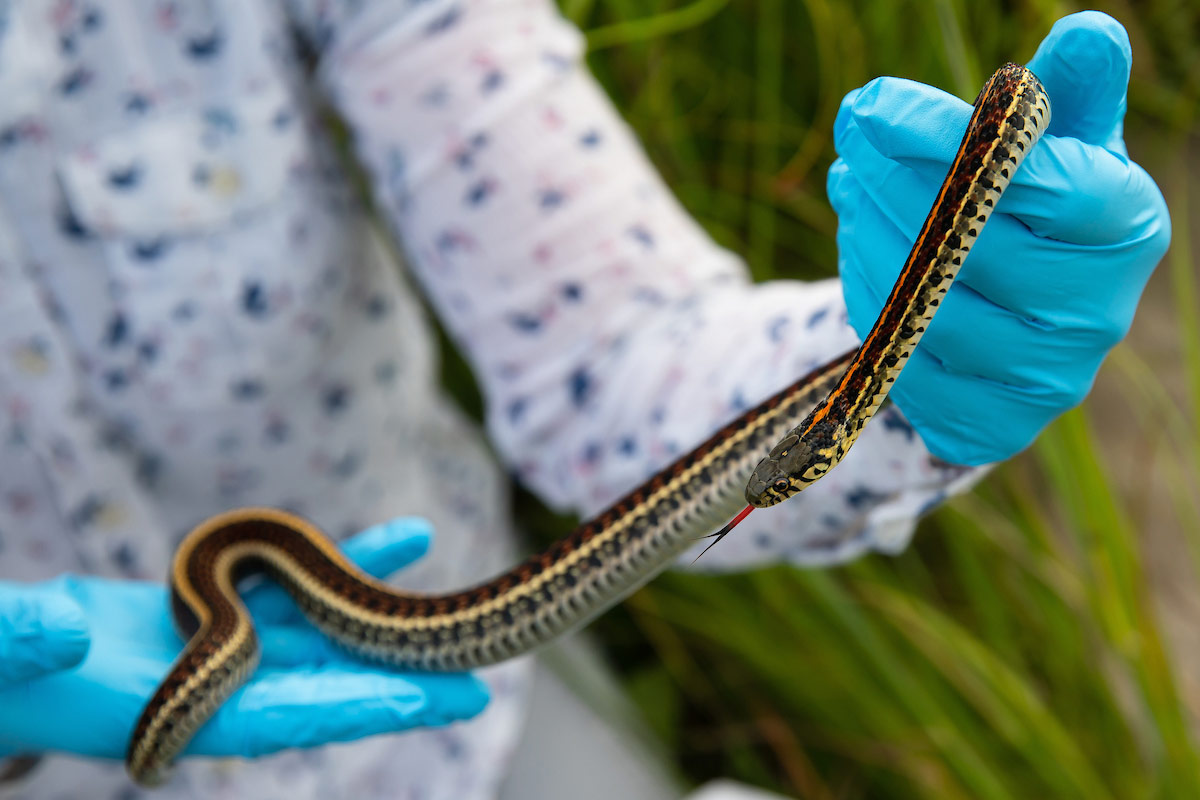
[{"x": 1041, "y": 638}]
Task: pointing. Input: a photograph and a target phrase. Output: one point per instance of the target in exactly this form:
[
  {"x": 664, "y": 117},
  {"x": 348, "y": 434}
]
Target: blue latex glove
[
  {"x": 1054, "y": 279},
  {"x": 80, "y": 656}
]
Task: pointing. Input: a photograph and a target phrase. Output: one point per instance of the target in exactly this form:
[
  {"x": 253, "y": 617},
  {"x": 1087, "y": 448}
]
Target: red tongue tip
[
  {"x": 733, "y": 523},
  {"x": 721, "y": 534}
]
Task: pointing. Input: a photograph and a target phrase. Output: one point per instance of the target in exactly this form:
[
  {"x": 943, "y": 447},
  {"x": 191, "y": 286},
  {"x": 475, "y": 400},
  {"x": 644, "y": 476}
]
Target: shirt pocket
[
  {"x": 189, "y": 171},
  {"x": 212, "y": 227}
]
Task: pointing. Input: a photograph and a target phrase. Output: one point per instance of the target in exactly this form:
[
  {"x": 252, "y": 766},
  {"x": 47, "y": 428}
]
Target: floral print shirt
[{"x": 197, "y": 312}]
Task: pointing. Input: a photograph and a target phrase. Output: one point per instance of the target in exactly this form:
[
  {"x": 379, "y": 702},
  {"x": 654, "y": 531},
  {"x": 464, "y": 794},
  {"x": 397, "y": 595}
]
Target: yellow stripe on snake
[{"x": 606, "y": 558}]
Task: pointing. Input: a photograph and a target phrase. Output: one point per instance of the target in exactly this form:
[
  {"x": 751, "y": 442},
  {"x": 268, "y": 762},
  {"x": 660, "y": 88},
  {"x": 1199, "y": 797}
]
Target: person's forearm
[{"x": 608, "y": 331}]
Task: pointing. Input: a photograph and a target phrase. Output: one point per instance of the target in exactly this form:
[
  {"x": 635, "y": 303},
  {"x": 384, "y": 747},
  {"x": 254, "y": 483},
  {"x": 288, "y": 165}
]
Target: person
[{"x": 198, "y": 313}]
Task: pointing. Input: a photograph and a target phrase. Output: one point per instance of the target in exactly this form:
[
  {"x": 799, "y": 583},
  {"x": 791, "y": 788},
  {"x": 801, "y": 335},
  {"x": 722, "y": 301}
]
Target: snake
[{"x": 756, "y": 460}]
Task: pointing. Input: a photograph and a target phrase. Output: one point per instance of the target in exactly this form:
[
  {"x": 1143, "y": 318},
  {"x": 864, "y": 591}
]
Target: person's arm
[{"x": 607, "y": 330}]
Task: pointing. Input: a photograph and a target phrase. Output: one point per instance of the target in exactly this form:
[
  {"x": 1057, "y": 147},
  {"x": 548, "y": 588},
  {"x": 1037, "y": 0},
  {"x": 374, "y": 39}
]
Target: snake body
[{"x": 606, "y": 558}]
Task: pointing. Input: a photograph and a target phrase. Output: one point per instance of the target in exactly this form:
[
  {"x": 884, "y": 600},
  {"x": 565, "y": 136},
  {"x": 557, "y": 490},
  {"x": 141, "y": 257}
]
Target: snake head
[{"x": 791, "y": 466}]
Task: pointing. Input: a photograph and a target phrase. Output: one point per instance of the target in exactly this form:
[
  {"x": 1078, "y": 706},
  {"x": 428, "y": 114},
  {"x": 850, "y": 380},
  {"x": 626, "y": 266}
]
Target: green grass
[{"x": 1018, "y": 648}]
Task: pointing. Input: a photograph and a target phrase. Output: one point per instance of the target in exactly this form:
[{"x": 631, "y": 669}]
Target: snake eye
[{"x": 781, "y": 485}]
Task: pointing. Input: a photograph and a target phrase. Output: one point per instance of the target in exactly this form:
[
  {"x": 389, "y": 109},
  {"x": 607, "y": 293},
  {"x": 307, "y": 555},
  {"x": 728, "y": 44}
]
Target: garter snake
[{"x": 606, "y": 558}]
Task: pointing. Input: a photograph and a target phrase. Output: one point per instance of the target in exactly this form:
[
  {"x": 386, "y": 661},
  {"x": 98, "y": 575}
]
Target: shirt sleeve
[{"x": 608, "y": 332}]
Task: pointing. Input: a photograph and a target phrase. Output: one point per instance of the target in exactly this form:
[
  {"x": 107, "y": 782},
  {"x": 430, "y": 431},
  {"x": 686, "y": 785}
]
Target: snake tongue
[{"x": 723, "y": 532}]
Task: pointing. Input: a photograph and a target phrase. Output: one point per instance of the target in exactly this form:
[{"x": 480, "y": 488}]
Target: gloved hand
[
  {"x": 80, "y": 656},
  {"x": 1052, "y": 284}
]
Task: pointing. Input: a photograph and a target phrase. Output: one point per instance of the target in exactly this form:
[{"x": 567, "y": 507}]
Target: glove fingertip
[
  {"x": 863, "y": 105},
  {"x": 845, "y": 112},
  {"x": 837, "y": 183},
  {"x": 452, "y": 698},
  {"x": 41, "y": 633},
  {"x": 62, "y": 629},
  {"x": 1154, "y": 215},
  {"x": 858, "y": 106},
  {"x": 386, "y": 547},
  {"x": 285, "y": 646},
  {"x": 1077, "y": 35},
  {"x": 899, "y": 119},
  {"x": 473, "y": 699},
  {"x": 1084, "y": 63},
  {"x": 66, "y": 630}
]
